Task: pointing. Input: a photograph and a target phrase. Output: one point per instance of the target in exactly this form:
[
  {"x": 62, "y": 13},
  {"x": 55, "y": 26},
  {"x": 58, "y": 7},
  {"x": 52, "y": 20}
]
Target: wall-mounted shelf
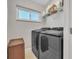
[{"x": 53, "y": 9}]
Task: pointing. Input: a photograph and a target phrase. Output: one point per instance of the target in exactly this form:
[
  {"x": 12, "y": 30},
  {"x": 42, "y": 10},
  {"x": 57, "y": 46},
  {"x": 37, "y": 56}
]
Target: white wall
[
  {"x": 55, "y": 20},
  {"x": 17, "y": 29},
  {"x": 67, "y": 25}
]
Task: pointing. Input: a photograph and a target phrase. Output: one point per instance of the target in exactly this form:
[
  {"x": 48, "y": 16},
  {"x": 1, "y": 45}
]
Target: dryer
[{"x": 35, "y": 40}]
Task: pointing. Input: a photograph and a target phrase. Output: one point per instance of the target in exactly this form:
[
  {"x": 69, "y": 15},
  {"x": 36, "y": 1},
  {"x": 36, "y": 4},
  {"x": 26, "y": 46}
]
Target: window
[
  {"x": 23, "y": 14},
  {"x": 35, "y": 16},
  {"x": 28, "y": 14}
]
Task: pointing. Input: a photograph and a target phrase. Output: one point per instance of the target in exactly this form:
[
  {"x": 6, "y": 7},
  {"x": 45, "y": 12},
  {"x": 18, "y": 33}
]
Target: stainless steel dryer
[{"x": 51, "y": 45}]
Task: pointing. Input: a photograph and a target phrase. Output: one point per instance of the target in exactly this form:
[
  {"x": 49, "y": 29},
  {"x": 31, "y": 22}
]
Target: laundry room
[{"x": 39, "y": 29}]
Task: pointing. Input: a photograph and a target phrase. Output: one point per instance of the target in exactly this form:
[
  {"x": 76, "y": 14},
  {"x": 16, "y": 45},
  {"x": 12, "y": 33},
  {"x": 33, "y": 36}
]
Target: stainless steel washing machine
[{"x": 51, "y": 45}]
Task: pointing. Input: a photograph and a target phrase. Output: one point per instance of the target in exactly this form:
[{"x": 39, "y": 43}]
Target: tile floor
[{"x": 29, "y": 54}]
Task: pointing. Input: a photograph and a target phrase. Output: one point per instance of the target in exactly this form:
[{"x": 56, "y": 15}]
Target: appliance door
[
  {"x": 50, "y": 47},
  {"x": 35, "y": 38}
]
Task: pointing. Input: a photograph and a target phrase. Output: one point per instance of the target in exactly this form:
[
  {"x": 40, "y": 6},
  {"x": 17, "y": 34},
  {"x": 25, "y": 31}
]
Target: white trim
[
  {"x": 28, "y": 21},
  {"x": 29, "y": 10}
]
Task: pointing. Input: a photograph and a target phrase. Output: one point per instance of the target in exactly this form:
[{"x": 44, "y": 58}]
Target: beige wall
[{"x": 17, "y": 29}]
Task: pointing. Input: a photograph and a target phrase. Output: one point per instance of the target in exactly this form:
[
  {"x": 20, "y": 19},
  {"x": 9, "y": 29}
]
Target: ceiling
[{"x": 41, "y": 2}]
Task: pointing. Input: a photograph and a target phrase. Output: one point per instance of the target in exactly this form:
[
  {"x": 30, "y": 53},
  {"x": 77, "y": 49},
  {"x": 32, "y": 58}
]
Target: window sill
[{"x": 29, "y": 21}]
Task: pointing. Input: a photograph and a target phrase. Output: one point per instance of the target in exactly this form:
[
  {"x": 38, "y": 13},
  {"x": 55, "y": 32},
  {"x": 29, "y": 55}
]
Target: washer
[{"x": 51, "y": 45}]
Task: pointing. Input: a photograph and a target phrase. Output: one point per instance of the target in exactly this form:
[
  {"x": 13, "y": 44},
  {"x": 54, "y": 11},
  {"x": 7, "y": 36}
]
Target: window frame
[{"x": 29, "y": 10}]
